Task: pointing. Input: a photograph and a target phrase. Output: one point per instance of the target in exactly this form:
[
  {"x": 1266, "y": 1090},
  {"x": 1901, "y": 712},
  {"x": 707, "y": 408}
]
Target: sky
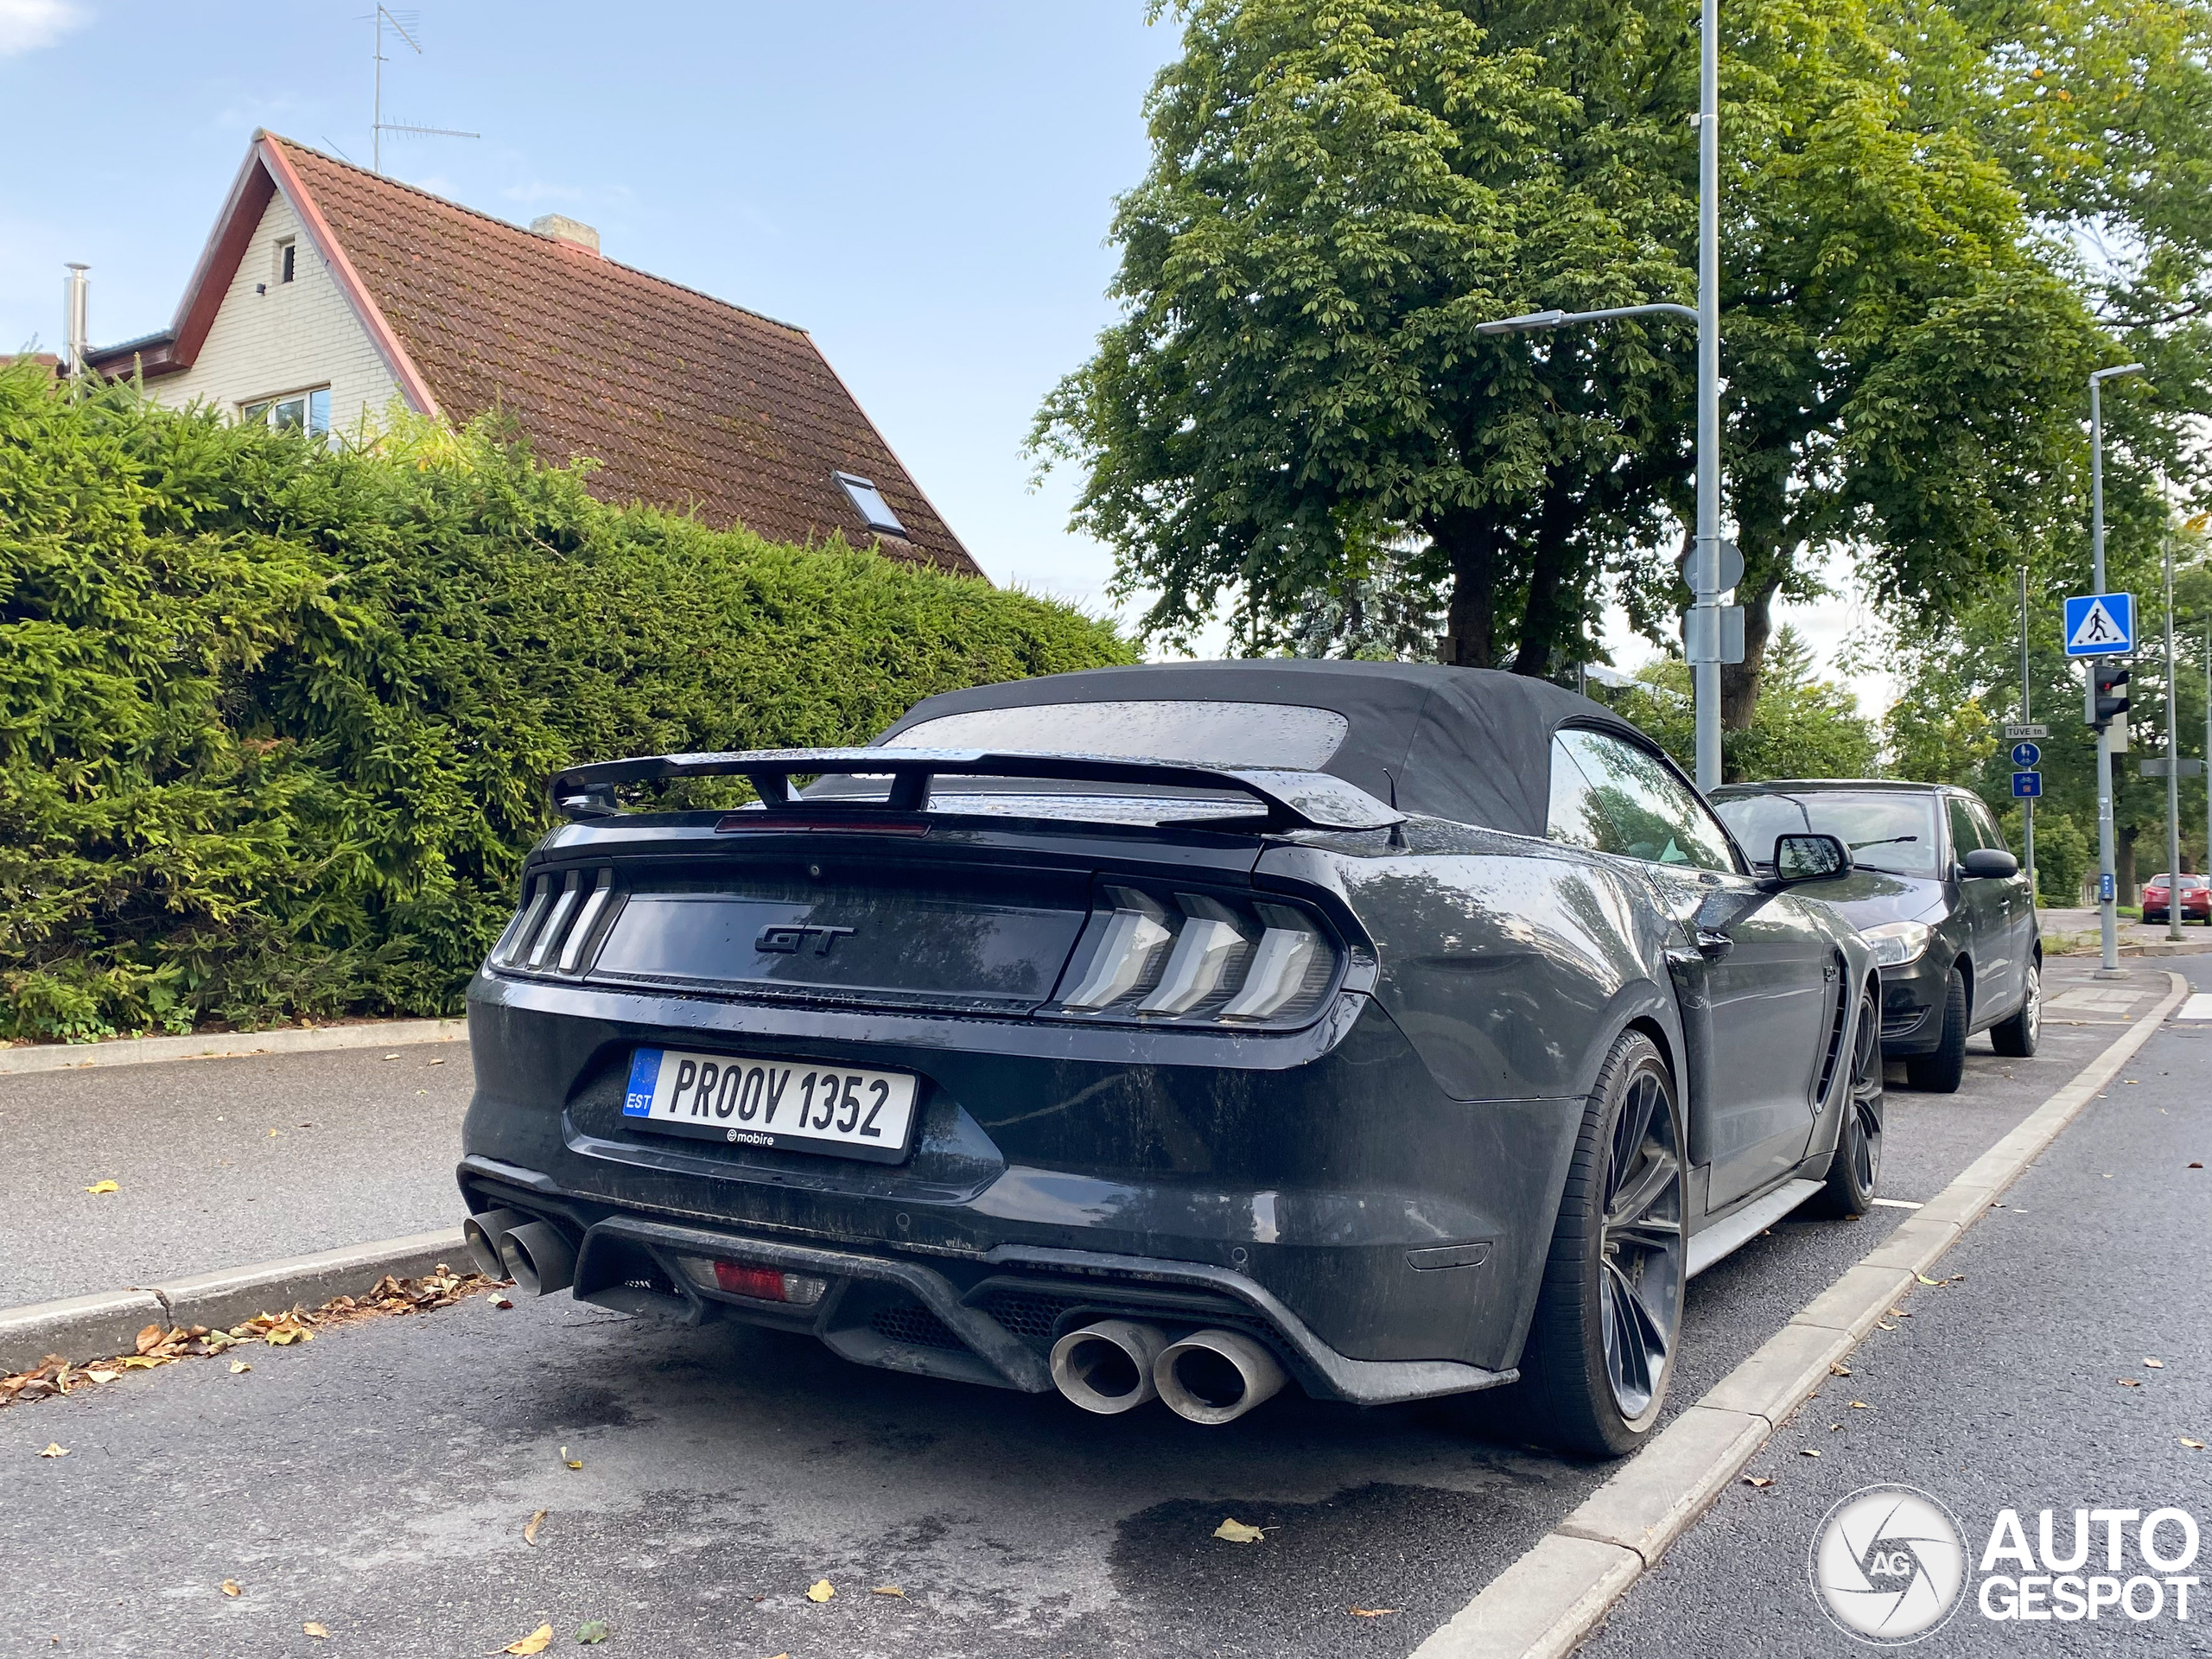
[{"x": 926, "y": 188}]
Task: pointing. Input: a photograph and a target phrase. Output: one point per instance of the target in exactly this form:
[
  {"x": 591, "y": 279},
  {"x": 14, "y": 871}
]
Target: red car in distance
[{"x": 2196, "y": 898}]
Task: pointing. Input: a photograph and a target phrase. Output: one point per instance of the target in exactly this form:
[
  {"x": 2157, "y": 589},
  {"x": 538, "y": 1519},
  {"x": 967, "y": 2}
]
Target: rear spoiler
[{"x": 1289, "y": 800}]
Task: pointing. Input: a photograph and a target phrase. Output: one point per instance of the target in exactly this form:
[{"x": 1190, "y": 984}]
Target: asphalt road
[
  {"x": 377, "y": 1480},
  {"x": 220, "y": 1163},
  {"x": 2001, "y": 1391}
]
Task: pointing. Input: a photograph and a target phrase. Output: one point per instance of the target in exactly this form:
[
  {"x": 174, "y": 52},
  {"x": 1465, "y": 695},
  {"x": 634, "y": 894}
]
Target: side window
[
  {"x": 1990, "y": 835},
  {"x": 1965, "y": 837},
  {"x": 1650, "y": 812},
  {"x": 1576, "y": 816}
]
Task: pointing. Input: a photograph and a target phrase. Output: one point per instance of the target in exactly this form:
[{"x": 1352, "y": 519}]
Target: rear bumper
[
  {"x": 991, "y": 1320},
  {"x": 1318, "y": 1186}
]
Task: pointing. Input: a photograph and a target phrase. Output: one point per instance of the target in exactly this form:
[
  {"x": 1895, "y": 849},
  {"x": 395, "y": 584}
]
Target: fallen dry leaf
[
  {"x": 573, "y": 1462},
  {"x": 503, "y": 1301},
  {"x": 1808, "y": 1453},
  {"x": 2194, "y": 1446},
  {"x": 1235, "y": 1532},
  {"x": 150, "y": 1337},
  {"x": 820, "y": 1590},
  {"x": 592, "y": 1632},
  {"x": 1758, "y": 1480},
  {"x": 2197, "y": 1165},
  {"x": 1925, "y": 1279},
  {"x": 99, "y": 1187},
  {"x": 98, "y": 1376},
  {"x": 438, "y": 1062},
  {"x": 1839, "y": 1370},
  {"x": 321, "y": 1632},
  {"x": 2155, "y": 1365},
  {"x": 237, "y": 1365},
  {"x": 1372, "y": 1612},
  {"x": 55, "y": 1449},
  {"x": 886, "y": 1590},
  {"x": 2129, "y": 1381},
  {"x": 394, "y": 1057},
  {"x": 530, "y": 1528},
  {"x": 537, "y": 1641},
  {"x": 230, "y": 1586},
  {"x": 1861, "y": 1404},
  {"x": 1881, "y": 1325}
]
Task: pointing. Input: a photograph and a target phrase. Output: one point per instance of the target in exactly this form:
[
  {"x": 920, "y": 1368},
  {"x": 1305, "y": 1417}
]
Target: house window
[
  {"x": 871, "y": 504},
  {"x": 285, "y": 251},
  {"x": 298, "y": 412}
]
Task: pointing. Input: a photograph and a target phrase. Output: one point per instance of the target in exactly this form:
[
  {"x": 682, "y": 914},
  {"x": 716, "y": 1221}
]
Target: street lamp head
[
  {"x": 2107, "y": 374},
  {"x": 1528, "y": 323}
]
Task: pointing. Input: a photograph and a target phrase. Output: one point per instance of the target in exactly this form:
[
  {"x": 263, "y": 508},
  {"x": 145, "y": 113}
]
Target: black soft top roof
[{"x": 1468, "y": 744}]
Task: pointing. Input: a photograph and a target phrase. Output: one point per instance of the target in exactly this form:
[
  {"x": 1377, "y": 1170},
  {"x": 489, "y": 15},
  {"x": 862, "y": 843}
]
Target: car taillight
[
  {"x": 553, "y": 929},
  {"x": 761, "y": 1284},
  {"x": 1196, "y": 958}
]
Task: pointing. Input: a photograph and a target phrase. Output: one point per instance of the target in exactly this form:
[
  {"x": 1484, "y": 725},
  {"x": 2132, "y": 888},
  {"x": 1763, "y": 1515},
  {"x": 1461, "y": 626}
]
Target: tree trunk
[
  {"x": 1739, "y": 682},
  {"x": 1470, "y": 540},
  {"x": 1541, "y": 618}
]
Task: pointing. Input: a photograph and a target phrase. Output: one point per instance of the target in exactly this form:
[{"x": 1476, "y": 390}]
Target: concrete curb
[
  {"x": 1551, "y": 1600},
  {"x": 229, "y": 1045},
  {"x": 96, "y": 1327}
]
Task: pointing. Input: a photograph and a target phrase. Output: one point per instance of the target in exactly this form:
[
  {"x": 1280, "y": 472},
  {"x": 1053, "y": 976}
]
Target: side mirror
[
  {"x": 1809, "y": 858},
  {"x": 1990, "y": 861}
]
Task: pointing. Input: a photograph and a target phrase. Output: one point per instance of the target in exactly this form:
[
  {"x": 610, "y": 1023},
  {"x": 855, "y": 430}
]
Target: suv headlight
[{"x": 1897, "y": 943}]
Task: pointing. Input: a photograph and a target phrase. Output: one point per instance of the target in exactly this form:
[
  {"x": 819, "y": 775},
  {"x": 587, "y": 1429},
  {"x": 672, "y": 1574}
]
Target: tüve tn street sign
[
  {"x": 2033, "y": 729},
  {"x": 2099, "y": 625}
]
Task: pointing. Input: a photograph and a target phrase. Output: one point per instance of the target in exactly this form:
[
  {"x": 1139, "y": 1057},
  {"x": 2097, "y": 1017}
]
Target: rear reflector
[
  {"x": 761, "y": 1284},
  {"x": 787, "y": 823}
]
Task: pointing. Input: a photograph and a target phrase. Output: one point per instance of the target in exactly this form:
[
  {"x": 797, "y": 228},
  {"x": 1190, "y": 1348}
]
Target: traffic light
[{"x": 2107, "y": 694}]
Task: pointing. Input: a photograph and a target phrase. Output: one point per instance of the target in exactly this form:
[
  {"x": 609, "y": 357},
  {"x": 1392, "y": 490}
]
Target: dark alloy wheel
[
  {"x": 2016, "y": 1038},
  {"x": 1938, "y": 1072},
  {"x": 1855, "y": 1172},
  {"x": 1602, "y": 1346}
]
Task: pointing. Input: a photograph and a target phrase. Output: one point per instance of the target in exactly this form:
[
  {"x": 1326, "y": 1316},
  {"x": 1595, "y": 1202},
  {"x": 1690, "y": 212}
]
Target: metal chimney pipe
[{"x": 75, "y": 311}]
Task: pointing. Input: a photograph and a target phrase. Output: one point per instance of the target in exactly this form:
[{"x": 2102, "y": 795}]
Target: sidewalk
[
  {"x": 220, "y": 1163},
  {"x": 2075, "y": 932}
]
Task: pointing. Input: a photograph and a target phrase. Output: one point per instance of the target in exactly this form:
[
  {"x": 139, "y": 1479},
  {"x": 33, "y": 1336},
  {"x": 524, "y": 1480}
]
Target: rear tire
[
  {"x": 1855, "y": 1172},
  {"x": 1601, "y": 1347},
  {"x": 1939, "y": 1073},
  {"x": 2016, "y": 1038}
]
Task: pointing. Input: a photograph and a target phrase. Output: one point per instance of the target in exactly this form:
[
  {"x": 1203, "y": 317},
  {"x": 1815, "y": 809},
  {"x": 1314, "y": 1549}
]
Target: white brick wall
[{"x": 298, "y": 334}]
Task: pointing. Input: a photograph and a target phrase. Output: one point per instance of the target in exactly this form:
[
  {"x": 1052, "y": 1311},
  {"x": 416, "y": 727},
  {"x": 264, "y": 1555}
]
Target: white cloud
[{"x": 29, "y": 25}]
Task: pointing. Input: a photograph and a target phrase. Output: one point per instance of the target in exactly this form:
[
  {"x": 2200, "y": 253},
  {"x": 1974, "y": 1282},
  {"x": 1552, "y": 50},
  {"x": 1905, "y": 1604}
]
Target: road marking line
[
  {"x": 1547, "y": 1603},
  {"x": 1896, "y": 1203},
  {"x": 2199, "y": 1007}
]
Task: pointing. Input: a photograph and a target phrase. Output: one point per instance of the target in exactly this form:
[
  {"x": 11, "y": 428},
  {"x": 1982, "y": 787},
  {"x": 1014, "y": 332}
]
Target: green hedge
[{"x": 275, "y": 720}]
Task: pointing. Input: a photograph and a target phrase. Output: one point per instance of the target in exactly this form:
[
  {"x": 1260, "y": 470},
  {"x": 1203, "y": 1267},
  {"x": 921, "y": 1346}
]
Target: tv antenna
[{"x": 404, "y": 24}]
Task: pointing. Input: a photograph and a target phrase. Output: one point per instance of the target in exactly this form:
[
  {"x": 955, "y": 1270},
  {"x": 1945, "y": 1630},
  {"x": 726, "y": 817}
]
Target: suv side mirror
[
  {"x": 1804, "y": 857},
  {"x": 1990, "y": 861}
]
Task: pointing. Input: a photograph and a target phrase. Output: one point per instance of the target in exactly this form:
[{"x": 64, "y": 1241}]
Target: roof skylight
[{"x": 872, "y": 506}]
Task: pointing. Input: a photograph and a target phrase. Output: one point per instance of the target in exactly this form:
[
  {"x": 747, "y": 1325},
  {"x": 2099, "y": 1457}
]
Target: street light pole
[
  {"x": 2027, "y": 714},
  {"x": 2173, "y": 752},
  {"x": 2108, "y": 898},
  {"x": 1705, "y": 555}
]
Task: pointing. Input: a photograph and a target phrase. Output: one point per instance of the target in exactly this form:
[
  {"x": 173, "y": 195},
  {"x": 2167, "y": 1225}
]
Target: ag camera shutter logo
[{"x": 1887, "y": 1565}]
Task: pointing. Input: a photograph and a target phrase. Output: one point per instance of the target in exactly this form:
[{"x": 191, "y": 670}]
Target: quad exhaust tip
[
  {"x": 537, "y": 1258},
  {"x": 1108, "y": 1366},
  {"x": 482, "y": 1235},
  {"x": 1215, "y": 1377}
]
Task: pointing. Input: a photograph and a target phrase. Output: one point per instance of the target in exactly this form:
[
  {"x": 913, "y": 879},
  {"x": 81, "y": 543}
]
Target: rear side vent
[
  {"x": 552, "y": 933},
  {"x": 1836, "y": 1024}
]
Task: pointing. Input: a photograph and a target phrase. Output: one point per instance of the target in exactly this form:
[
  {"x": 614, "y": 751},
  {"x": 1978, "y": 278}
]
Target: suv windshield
[{"x": 1870, "y": 824}]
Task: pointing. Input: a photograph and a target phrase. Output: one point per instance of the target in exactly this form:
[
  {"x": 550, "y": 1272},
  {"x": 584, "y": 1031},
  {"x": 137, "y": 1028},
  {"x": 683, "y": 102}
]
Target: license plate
[{"x": 790, "y": 1105}]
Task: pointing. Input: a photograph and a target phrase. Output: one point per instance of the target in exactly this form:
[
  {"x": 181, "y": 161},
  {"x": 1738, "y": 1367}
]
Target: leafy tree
[{"x": 1805, "y": 726}]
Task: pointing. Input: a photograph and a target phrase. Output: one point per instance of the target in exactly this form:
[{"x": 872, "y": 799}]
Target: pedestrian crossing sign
[{"x": 2099, "y": 625}]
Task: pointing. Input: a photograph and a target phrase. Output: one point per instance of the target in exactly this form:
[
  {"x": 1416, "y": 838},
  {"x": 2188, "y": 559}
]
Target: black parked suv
[{"x": 1937, "y": 894}]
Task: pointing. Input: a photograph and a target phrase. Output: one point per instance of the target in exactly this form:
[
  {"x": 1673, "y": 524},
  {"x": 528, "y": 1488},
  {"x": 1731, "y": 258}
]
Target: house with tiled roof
[{"x": 325, "y": 291}]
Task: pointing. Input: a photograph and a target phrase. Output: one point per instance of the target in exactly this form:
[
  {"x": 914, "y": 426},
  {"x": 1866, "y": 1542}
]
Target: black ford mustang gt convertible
[{"x": 1179, "y": 1030}]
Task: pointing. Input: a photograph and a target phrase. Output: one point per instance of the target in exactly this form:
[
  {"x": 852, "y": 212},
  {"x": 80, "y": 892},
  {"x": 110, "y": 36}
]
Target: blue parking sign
[{"x": 2026, "y": 785}]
